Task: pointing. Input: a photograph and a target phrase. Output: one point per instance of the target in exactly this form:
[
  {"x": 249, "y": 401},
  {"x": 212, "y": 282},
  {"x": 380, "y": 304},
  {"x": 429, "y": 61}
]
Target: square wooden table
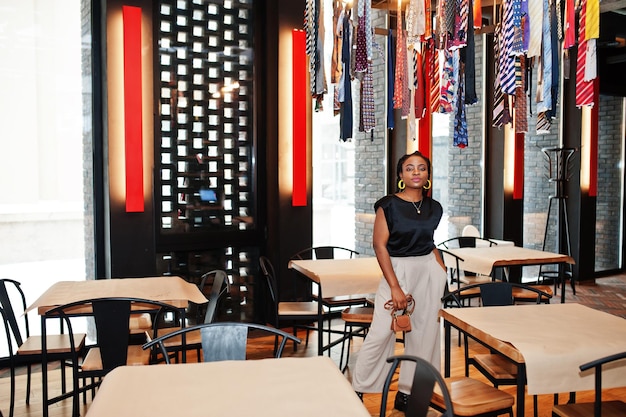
[
  {"x": 171, "y": 290},
  {"x": 339, "y": 277},
  {"x": 547, "y": 342},
  {"x": 307, "y": 387},
  {"x": 485, "y": 260}
]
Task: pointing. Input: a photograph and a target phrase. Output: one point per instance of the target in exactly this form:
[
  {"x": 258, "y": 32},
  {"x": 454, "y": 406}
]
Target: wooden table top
[
  {"x": 482, "y": 260},
  {"x": 341, "y": 276},
  {"x": 307, "y": 387},
  {"x": 171, "y": 290}
]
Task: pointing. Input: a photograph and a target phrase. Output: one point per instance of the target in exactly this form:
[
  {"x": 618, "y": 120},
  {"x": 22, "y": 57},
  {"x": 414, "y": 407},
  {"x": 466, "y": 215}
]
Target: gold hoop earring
[
  {"x": 430, "y": 184},
  {"x": 401, "y": 185}
]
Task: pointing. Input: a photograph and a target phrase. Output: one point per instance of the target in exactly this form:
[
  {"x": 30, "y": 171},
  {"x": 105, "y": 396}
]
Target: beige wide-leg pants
[{"x": 425, "y": 279}]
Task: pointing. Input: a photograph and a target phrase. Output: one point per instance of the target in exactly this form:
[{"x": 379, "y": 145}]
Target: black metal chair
[
  {"x": 220, "y": 288},
  {"x": 299, "y": 314},
  {"x": 223, "y": 340},
  {"x": 111, "y": 317},
  {"x": 25, "y": 349},
  {"x": 463, "y": 242},
  {"x": 453, "y": 397},
  {"x": 597, "y": 408}
]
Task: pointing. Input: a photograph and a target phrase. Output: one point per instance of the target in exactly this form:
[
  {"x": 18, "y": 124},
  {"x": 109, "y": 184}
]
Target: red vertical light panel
[
  {"x": 299, "y": 91},
  {"x": 518, "y": 177},
  {"x": 133, "y": 109}
]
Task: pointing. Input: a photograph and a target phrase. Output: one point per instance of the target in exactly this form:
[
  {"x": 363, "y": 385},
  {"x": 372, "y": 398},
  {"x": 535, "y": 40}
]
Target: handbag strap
[{"x": 409, "y": 307}]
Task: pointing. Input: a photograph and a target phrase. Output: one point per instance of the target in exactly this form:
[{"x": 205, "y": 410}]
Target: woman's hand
[{"x": 398, "y": 297}]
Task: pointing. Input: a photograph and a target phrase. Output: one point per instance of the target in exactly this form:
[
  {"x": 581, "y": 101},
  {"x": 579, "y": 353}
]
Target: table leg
[
  {"x": 44, "y": 368},
  {"x": 562, "y": 280},
  {"x": 446, "y": 351},
  {"x": 521, "y": 389},
  {"x": 320, "y": 325}
]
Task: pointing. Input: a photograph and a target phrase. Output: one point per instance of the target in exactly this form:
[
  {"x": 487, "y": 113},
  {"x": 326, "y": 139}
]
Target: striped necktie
[
  {"x": 546, "y": 61},
  {"x": 521, "y": 105},
  {"x": 507, "y": 61},
  {"x": 435, "y": 87},
  {"x": 584, "y": 89},
  {"x": 535, "y": 17},
  {"x": 419, "y": 84},
  {"x": 498, "y": 97}
]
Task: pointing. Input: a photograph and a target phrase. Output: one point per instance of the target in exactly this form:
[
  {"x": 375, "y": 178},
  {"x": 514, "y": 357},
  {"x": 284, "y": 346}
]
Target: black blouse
[{"x": 410, "y": 234}]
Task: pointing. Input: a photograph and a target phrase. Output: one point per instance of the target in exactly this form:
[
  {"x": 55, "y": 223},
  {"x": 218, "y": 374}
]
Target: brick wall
[{"x": 608, "y": 205}]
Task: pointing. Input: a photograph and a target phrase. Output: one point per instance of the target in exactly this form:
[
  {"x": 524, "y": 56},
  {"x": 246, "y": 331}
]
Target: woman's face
[{"x": 414, "y": 172}]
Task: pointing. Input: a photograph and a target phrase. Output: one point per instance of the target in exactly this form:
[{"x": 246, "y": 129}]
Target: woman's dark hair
[{"x": 403, "y": 159}]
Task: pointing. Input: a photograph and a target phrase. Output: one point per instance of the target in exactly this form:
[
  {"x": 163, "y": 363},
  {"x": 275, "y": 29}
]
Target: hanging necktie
[
  {"x": 360, "y": 56},
  {"x": 507, "y": 60},
  {"x": 468, "y": 57},
  {"x": 518, "y": 35},
  {"x": 391, "y": 52},
  {"x": 335, "y": 63},
  {"x": 345, "y": 120},
  {"x": 460, "y": 24},
  {"x": 521, "y": 117},
  {"x": 498, "y": 97},
  {"x": 584, "y": 89},
  {"x": 543, "y": 124},
  {"x": 367, "y": 107},
  {"x": 535, "y": 18},
  {"x": 428, "y": 20},
  {"x": 525, "y": 26},
  {"x": 448, "y": 81},
  {"x": 569, "y": 25},
  {"x": 400, "y": 94},
  {"x": 460, "y": 137},
  {"x": 592, "y": 19},
  {"x": 435, "y": 87},
  {"x": 415, "y": 21},
  {"x": 420, "y": 105},
  {"x": 546, "y": 61}
]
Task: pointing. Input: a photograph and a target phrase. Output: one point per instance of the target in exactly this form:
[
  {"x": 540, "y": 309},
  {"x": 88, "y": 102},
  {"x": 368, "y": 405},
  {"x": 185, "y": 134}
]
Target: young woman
[{"x": 403, "y": 242}]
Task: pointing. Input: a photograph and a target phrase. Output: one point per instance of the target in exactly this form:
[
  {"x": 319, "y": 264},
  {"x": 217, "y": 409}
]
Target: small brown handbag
[{"x": 401, "y": 321}]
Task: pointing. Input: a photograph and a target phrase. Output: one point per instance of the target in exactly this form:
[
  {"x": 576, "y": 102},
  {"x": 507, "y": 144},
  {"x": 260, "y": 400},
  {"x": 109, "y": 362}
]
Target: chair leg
[
  {"x": 343, "y": 342},
  {"x": 28, "y": 375},
  {"x": 12, "y": 399},
  {"x": 466, "y": 354}
]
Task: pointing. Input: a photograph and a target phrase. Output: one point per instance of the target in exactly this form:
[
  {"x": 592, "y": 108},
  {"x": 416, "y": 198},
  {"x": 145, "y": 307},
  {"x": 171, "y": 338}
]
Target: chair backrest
[
  {"x": 267, "y": 269},
  {"x": 111, "y": 317},
  {"x": 217, "y": 291},
  {"x": 493, "y": 293},
  {"x": 496, "y": 293},
  {"x": 325, "y": 252},
  {"x": 7, "y": 332},
  {"x": 597, "y": 365},
  {"x": 424, "y": 380},
  {"x": 470, "y": 230},
  {"x": 224, "y": 340},
  {"x": 465, "y": 242},
  {"x": 11, "y": 312}
]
